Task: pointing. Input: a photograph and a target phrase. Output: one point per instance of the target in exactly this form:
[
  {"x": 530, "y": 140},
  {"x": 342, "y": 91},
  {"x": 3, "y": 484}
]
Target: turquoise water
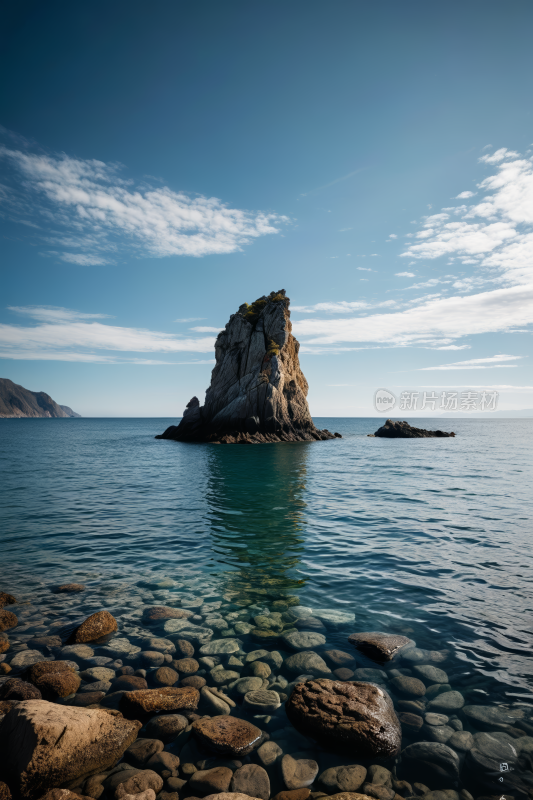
[{"x": 431, "y": 538}]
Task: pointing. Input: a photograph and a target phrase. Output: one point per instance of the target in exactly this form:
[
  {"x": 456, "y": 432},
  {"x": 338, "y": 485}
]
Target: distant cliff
[{"x": 16, "y": 401}]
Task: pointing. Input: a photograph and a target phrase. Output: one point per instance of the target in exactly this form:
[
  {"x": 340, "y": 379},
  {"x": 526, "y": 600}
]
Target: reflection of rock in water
[{"x": 255, "y": 499}]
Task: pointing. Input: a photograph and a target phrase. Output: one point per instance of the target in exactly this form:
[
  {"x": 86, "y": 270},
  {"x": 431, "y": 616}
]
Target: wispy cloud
[
  {"x": 496, "y": 233},
  {"x": 343, "y": 306},
  {"x": 88, "y": 197},
  {"x": 189, "y": 319},
  {"x": 205, "y": 329},
  {"x": 405, "y": 274},
  {"x": 66, "y": 335},
  {"x": 332, "y": 183},
  {"x": 465, "y": 195},
  {"x": 476, "y": 363}
]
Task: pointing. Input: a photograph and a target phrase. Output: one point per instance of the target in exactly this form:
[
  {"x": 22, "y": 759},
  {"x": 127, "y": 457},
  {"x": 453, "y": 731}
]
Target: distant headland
[
  {"x": 16, "y": 401},
  {"x": 258, "y": 393}
]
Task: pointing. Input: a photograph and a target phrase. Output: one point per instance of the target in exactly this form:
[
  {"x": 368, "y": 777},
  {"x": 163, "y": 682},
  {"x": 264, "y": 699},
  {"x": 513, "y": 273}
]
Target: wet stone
[
  {"x": 294, "y": 794},
  {"x": 69, "y": 588},
  {"x": 45, "y": 642},
  {"x": 227, "y": 735},
  {"x": 165, "y": 676},
  {"x": 95, "y": 627},
  {"x": 346, "y": 715},
  {"x": 14, "y": 689},
  {"x": 343, "y": 674},
  {"x": 144, "y": 703},
  {"x": 261, "y": 701},
  {"x": 6, "y": 599},
  {"x": 448, "y": 701},
  {"x": 245, "y": 685},
  {"x": 161, "y": 613},
  {"x": 184, "y": 649},
  {"x": 129, "y": 683},
  {"x": 7, "y": 620},
  {"x": 196, "y": 681},
  {"x": 96, "y": 686},
  {"x": 342, "y": 779},
  {"x": 219, "y": 647},
  {"x": 158, "y": 644},
  {"x": 411, "y": 723},
  {"x": 141, "y": 750},
  {"x": 308, "y": 663},
  {"x": 338, "y": 658},
  {"x": 258, "y": 669},
  {"x": 298, "y": 773},
  {"x": 165, "y": 727},
  {"x": 269, "y": 753},
  {"x": 491, "y": 718},
  {"x": 303, "y": 640},
  {"x": 77, "y": 652},
  {"x": 97, "y": 674},
  {"x": 461, "y": 741},
  {"x": 431, "y": 762},
  {"x": 379, "y": 646},
  {"x": 221, "y": 676},
  {"x": 437, "y": 733},
  {"x": 251, "y": 780},
  {"x": 186, "y": 666},
  {"x": 430, "y": 674},
  {"x": 25, "y": 659},
  {"x": 151, "y": 658},
  {"x": 436, "y": 719},
  {"x": 334, "y": 618},
  {"x": 410, "y": 687},
  {"x": 370, "y": 674}
]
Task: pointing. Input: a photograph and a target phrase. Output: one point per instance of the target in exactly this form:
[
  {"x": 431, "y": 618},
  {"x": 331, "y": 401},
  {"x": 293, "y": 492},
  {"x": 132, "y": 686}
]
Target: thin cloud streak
[{"x": 90, "y": 197}]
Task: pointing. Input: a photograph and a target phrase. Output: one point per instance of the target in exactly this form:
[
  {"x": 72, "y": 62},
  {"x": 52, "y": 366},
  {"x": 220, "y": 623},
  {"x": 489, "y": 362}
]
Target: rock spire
[{"x": 258, "y": 391}]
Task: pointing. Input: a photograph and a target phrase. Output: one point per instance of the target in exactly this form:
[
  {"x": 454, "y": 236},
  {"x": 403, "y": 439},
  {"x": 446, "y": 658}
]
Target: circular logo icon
[{"x": 384, "y": 401}]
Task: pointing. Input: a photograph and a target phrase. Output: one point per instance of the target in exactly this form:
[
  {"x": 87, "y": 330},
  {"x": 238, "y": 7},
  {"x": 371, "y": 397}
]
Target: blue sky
[{"x": 162, "y": 163}]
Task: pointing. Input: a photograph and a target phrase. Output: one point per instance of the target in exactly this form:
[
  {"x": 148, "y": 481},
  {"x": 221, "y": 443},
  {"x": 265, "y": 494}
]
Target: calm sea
[{"x": 429, "y": 537}]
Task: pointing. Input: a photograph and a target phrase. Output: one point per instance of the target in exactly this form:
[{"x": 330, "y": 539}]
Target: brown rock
[
  {"x": 210, "y": 781},
  {"x": 343, "y": 674},
  {"x": 45, "y": 642},
  {"x": 349, "y": 796},
  {"x": 338, "y": 658},
  {"x": 141, "y": 751},
  {"x": 342, "y": 779},
  {"x": 298, "y": 773},
  {"x": 69, "y": 587},
  {"x": 184, "y": 648},
  {"x": 166, "y": 727},
  {"x": 186, "y": 666},
  {"x": 258, "y": 392},
  {"x": 140, "y": 782},
  {"x": 4, "y": 645},
  {"x": 411, "y": 687},
  {"x": 44, "y": 744},
  {"x": 351, "y": 714},
  {"x": 144, "y": 703},
  {"x": 97, "y": 625},
  {"x": 7, "y": 620},
  {"x": 58, "y": 684},
  {"x": 40, "y": 668},
  {"x": 166, "y": 676},
  {"x": 86, "y": 699},
  {"x": 378, "y": 646},
  {"x": 163, "y": 761},
  {"x": 6, "y": 599},
  {"x": 129, "y": 683},
  {"x": 378, "y": 791},
  {"x": 5, "y": 793},
  {"x": 252, "y": 780},
  {"x": 149, "y": 794},
  {"x": 15, "y": 689},
  {"x": 5, "y": 669},
  {"x": 62, "y": 794},
  {"x": 227, "y": 735},
  {"x": 195, "y": 681},
  {"x": 226, "y": 796},
  {"x": 410, "y": 722},
  {"x": 156, "y": 613},
  {"x": 293, "y": 794},
  {"x": 6, "y": 706}
]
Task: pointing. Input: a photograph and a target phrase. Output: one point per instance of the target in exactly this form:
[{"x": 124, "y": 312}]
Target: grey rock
[
  {"x": 461, "y": 741},
  {"x": 491, "y": 718},
  {"x": 195, "y": 634},
  {"x": 430, "y": 674},
  {"x": 431, "y": 762},
  {"x": 213, "y": 705},
  {"x": 151, "y": 658},
  {"x": 299, "y": 612},
  {"x": 308, "y": 663},
  {"x": 219, "y": 647},
  {"x": 448, "y": 701},
  {"x": 161, "y": 645},
  {"x": 370, "y": 674},
  {"x": 269, "y": 753},
  {"x": 261, "y": 701},
  {"x": 119, "y": 648},
  {"x": 77, "y": 652},
  {"x": 303, "y": 640},
  {"x": 436, "y": 719},
  {"x": 402, "y": 430},
  {"x": 298, "y": 773},
  {"x": 251, "y": 780},
  {"x": 25, "y": 658},
  {"x": 96, "y": 686},
  {"x": 342, "y": 779},
  {"x": 437, "y": 733},
  {"x": 98, "y": 674},
  {"x": 334, "y": 618},
  {"x": 245, "y": 685},
  {"x": 486, "y": 755}
]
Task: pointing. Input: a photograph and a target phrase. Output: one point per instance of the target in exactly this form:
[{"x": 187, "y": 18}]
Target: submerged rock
[
  {"x": 402, "y": 430},
  {"x": 227, "y": 735},
  {"x": 44, "y": 745},
  {"x": 258, "y": 391},
  {"x": 378, "y": 646},
  {"x": 97, "y": 625},
  {"x": 347, "y": 715}
]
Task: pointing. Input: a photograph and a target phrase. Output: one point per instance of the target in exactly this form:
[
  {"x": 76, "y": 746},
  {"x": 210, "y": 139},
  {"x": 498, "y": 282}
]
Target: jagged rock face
[{"x": 258, "y": 392}]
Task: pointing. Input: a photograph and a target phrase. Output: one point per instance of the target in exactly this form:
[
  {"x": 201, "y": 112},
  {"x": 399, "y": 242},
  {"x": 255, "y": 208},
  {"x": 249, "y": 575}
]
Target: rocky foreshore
[
  {"x": 222, "y": 696},
  {"x": 258, "y": 392}
]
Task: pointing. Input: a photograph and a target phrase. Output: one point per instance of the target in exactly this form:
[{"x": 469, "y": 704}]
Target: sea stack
[{"x": 258, "y": 393}]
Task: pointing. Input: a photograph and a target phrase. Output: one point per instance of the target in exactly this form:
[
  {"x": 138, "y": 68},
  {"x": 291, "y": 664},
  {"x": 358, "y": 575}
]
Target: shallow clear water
[{"x": 430, "y": 538}]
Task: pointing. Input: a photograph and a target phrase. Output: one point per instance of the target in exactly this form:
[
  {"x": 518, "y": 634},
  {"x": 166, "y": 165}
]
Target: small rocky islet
[{"x": 214, "y": 693}]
